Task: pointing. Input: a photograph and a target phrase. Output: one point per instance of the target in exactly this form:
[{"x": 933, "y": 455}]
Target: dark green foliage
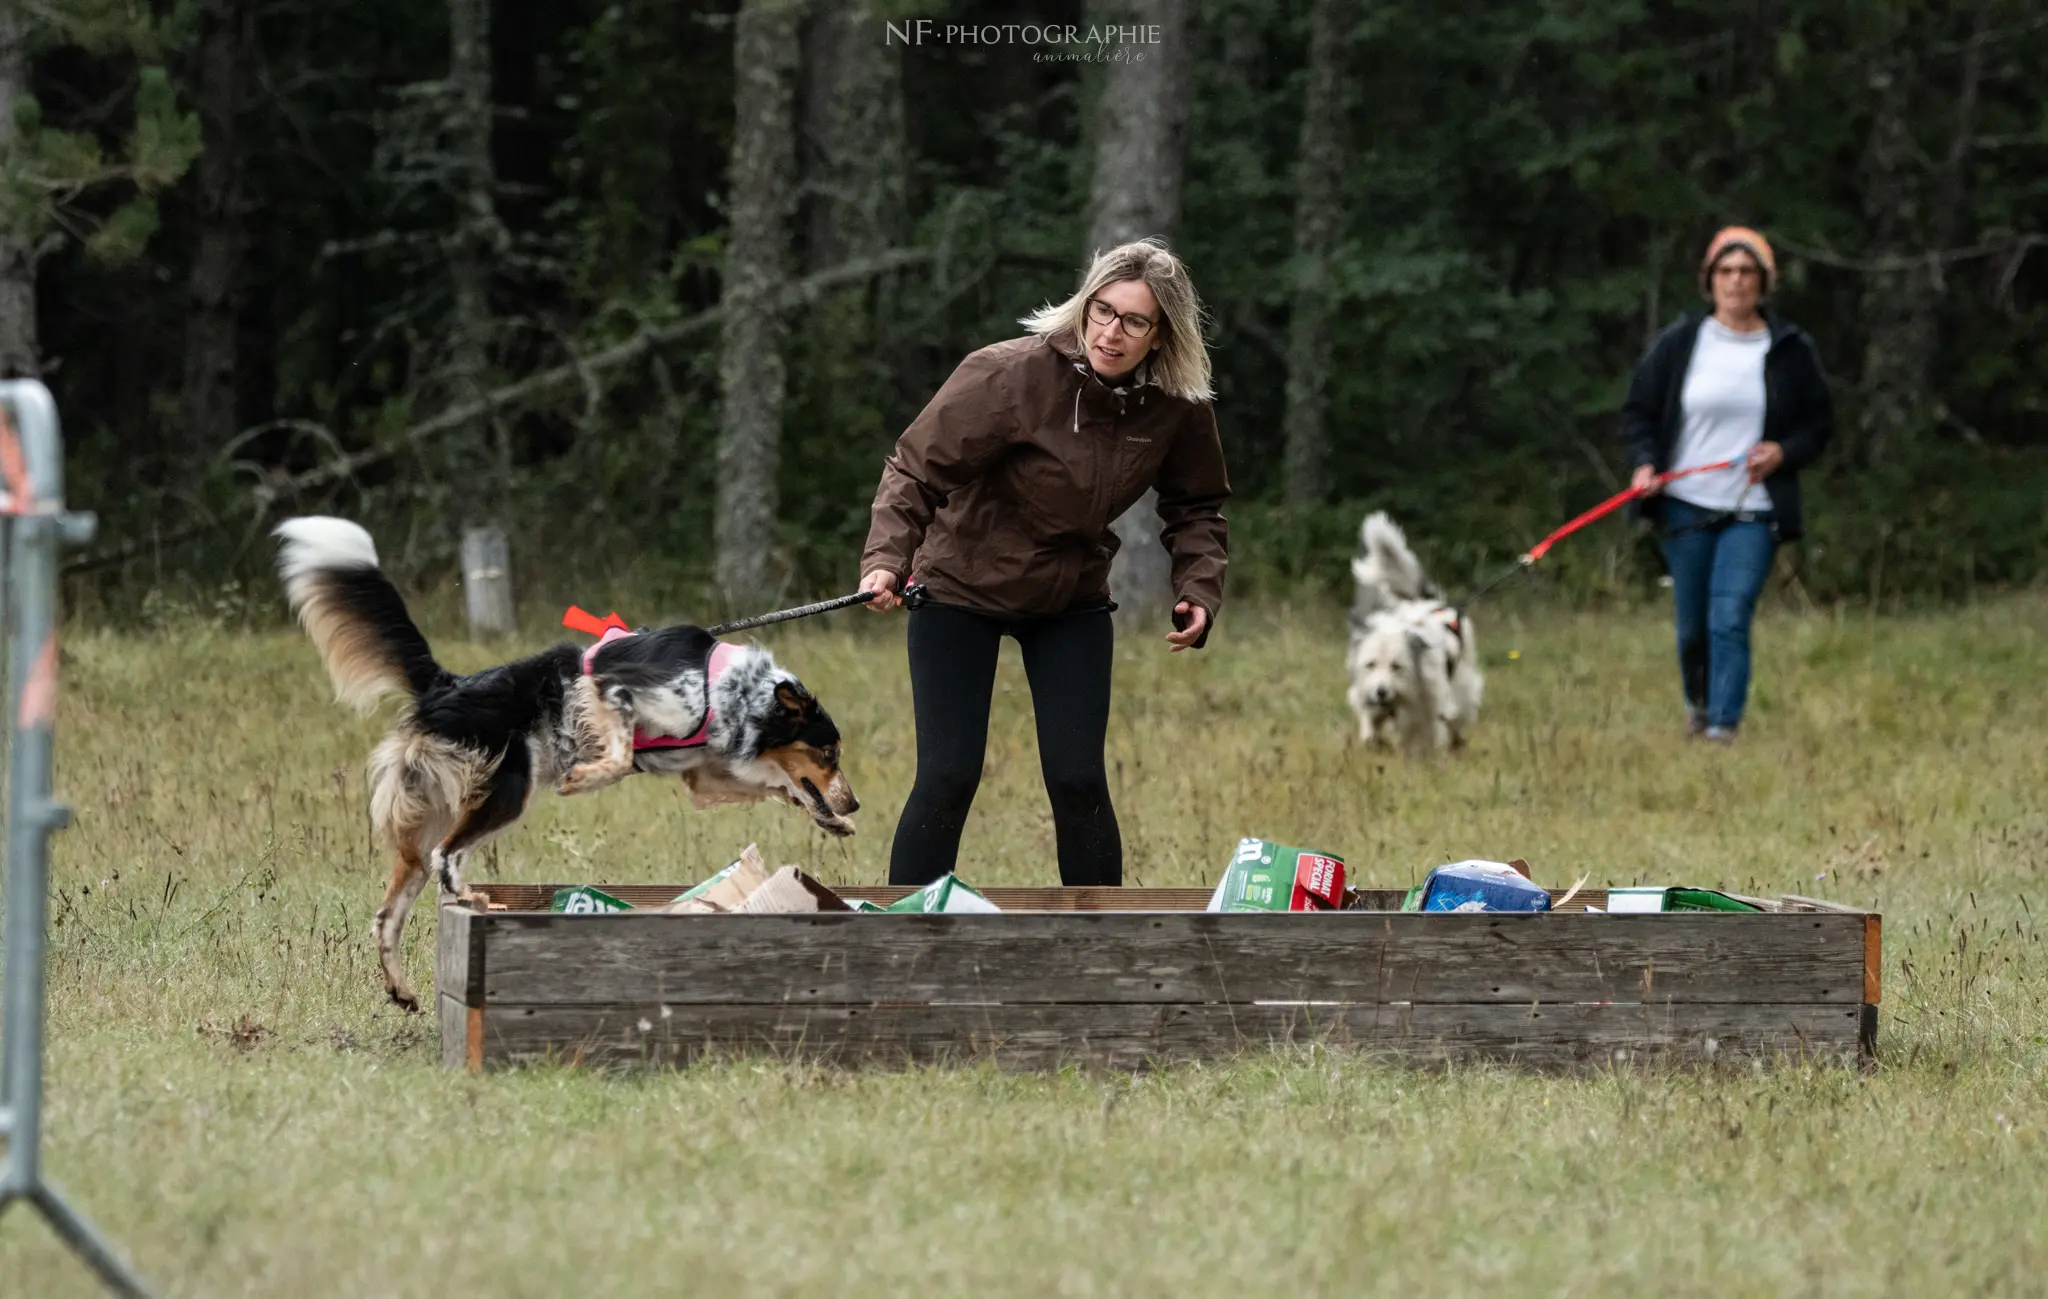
[{"x": 1531, "y": 184}]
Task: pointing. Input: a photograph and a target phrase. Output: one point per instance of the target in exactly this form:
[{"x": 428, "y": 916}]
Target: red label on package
[{"x": 1318, "y": 883}]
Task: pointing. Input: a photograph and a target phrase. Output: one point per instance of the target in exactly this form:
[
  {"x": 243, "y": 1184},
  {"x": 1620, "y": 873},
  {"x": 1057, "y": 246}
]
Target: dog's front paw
[{"x": 582, "y": 777}]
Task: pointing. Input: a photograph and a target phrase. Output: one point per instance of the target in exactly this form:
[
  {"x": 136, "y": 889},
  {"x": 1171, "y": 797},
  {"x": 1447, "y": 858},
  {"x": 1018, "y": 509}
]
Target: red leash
[
  {"x": 1600, "y": 511},
  {"x": 1613, "y": 503}
]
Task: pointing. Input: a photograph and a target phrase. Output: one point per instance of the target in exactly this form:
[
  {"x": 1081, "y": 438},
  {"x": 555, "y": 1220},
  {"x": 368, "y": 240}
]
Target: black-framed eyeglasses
[{"x": 1135, "y": 325}]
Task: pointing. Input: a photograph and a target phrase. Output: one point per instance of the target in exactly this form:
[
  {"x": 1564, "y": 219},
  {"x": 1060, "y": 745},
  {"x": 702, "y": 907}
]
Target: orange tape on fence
[
  {"x": 39, "y": 692},
  {"x": 21, "y": 493}
]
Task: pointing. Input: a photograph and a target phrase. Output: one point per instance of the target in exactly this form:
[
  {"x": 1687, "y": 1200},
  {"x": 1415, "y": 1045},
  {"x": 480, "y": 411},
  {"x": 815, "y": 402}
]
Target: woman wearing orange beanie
[{"x": 1736, "y": 383}]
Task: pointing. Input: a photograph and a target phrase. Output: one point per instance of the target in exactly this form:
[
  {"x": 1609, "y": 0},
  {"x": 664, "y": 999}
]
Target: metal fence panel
[{"x": 36, "y": 528}]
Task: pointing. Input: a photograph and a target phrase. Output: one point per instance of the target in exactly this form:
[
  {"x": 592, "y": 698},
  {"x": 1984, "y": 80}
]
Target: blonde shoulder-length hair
[{"x": 1180, "y": 365}]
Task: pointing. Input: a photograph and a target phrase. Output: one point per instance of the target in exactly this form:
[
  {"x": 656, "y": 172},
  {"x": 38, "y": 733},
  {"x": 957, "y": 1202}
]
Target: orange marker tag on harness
[{"x": 590, "y": 624}]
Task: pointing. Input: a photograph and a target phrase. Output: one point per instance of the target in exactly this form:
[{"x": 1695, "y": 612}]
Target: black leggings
[{"x": 952, "y": 676}]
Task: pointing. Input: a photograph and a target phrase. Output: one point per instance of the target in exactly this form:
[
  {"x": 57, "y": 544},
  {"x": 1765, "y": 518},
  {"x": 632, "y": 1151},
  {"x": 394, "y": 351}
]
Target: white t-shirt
[{"x": 1721, "y": 416}]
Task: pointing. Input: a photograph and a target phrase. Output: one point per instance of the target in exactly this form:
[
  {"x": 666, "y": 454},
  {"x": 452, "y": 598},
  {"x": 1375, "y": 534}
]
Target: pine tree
[{"x": 58, "y": 184}]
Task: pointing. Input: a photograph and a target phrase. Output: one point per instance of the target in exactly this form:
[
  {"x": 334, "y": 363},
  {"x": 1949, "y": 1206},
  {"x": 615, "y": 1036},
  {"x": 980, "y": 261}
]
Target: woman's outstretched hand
[
  {"x": 883, "y": 583},
  {"x": 1645, "y": 480},
  {"x": 1198, "y": 622}
]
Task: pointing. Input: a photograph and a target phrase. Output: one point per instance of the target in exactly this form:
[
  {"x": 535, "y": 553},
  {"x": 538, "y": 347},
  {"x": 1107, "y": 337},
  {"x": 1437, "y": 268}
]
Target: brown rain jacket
[{"x": 1000, "y": 496}]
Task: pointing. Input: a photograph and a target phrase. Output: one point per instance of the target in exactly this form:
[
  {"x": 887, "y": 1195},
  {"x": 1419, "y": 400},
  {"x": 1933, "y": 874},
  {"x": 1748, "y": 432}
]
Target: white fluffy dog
[{"x": 1414, "y": 663}]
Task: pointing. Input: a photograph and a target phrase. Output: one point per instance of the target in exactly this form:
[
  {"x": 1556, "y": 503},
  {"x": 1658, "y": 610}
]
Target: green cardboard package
[
  {"x": 586, "y": 901},
  {"x": 1266, "y": 876},
  {"x": 1627, "y": 901},
  {"x": 944, "y": 894}
]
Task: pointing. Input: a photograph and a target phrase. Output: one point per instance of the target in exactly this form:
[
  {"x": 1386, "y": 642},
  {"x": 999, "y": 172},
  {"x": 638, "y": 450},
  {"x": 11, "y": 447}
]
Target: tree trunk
[
  {"x": 1139, "y": 160},
  {"x": 855, "y": 146},
  {"x": 20, "y": 355},
  {"x": 1318, "y": 223},
  {"x": 751, "y": 377},
  {"x": 854, "y": 162},
  {"x": 477, "y": 240},
  {"x": 211, "y": 413},
  {"x": 1902, "y": 303},
  {"x": 1140, "y": 154}
]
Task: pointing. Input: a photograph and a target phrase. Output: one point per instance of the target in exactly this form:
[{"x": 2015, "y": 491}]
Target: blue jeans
[{"x": 1717, "y": 573}]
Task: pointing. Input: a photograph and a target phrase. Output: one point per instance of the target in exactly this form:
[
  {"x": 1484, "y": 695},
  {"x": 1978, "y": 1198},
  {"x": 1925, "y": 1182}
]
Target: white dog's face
[{"x": 1385, "y": 665}]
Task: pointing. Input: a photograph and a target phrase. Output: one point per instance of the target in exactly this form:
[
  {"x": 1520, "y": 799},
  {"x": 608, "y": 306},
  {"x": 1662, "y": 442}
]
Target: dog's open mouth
[{"x": 821, "y": 811}]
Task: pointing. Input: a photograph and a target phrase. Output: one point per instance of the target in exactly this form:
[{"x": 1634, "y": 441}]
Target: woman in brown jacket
[{"x": 998, "y": 502}]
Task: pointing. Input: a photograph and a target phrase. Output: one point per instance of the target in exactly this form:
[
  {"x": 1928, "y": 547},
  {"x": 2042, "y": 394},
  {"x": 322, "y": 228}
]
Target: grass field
[{"x": 230, "y": 1096}]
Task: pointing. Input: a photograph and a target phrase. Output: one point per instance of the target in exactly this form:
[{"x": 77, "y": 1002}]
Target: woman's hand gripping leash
[
  {"x": 882, "y": 584},
  {"x": 1760, "y": 462},
  {"x": 880, "y": 587}
]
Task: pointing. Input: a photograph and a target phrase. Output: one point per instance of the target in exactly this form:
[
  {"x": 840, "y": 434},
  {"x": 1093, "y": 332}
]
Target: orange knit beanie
[{"x": 1744, "y": 238}]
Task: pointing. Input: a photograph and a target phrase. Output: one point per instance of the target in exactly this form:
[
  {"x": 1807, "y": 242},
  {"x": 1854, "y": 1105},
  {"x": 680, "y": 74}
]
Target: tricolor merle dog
[{"x": 461, "y": 764}]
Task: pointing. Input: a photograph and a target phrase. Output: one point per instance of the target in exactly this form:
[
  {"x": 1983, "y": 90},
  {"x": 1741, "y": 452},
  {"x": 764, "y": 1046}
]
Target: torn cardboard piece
[
  {"x": 729, "y": 889},
  {"x": 790, "y": 890},
  {"x": 749, "y": 887}
]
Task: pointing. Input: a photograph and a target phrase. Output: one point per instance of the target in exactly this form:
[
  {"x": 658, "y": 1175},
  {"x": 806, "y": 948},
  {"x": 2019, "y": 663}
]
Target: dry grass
[{"x": 231, "y": 1099}]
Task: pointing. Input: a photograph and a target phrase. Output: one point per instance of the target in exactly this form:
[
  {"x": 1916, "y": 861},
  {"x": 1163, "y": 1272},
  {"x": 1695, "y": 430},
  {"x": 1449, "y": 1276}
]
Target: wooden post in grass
[{"x": 487, "y": 582}]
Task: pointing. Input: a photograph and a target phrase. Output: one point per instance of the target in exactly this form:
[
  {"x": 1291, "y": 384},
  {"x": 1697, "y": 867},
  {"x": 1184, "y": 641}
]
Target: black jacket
[{"x": 1798, "y": 413}]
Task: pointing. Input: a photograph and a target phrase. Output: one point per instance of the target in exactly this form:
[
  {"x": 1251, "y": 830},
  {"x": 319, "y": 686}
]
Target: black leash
[
  {"x": 1521, "y": 565},
  {"x": 785, "y": 615}
]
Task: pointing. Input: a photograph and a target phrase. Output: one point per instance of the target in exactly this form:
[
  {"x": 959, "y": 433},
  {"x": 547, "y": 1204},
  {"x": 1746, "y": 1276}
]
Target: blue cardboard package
[{"x": 1478, "y": 886}]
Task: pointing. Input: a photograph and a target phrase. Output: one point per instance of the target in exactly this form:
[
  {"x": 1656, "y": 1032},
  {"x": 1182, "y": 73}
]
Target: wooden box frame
[{"x": 1130, "y": 978}]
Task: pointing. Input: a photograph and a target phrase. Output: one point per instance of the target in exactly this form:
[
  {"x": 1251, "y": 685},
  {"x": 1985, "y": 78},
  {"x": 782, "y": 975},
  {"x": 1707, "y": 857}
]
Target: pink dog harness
[{"x": 721, "y": 655}]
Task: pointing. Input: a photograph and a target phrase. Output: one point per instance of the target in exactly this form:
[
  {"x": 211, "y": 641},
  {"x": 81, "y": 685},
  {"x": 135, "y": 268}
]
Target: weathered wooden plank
[
  {"x": 454, "y": 958},
  {"x": 454, "y": 1017},
  {"x": 1796, "y": 902},
  {"x": 850, "y": 959},
  {"x": 1132, "y": 1036}
]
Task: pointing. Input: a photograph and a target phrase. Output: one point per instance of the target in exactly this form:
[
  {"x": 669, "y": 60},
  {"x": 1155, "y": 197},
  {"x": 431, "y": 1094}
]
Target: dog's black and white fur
[
  {"x": 461, "y": 765},
  {"x": 1413, "y": 660}
]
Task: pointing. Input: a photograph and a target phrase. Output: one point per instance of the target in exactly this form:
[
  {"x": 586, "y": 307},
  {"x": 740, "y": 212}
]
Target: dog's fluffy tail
[
  {"x": 353, "y": 613},
  {"x": 1386, "y": 564}
]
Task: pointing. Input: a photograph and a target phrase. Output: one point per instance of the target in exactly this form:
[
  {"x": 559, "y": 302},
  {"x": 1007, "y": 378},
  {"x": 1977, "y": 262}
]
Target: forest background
[{"x": 655, "y": 286}]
